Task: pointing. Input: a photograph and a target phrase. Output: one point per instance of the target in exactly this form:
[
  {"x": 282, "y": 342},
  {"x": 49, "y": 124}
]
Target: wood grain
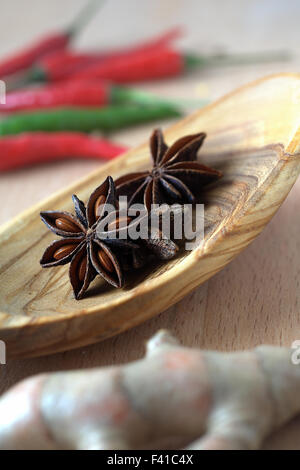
[{"x": 259, "y": 154}]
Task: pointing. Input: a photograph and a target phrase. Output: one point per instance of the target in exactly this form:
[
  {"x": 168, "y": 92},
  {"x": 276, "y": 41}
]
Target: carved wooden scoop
[{"x": 253, "y": 137}]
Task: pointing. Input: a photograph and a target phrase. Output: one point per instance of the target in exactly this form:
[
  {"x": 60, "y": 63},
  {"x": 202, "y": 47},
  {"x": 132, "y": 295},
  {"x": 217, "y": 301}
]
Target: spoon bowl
[{"x": 253, "y": 136}]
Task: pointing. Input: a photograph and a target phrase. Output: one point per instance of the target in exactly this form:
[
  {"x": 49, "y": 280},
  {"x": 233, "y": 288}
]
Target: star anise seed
[
  {"x": 176, "y": 175},
  {"x": 80, "y": 246}
]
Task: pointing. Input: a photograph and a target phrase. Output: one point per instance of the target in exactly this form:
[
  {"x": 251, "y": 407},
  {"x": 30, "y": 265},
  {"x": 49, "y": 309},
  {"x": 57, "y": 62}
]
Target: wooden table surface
[{"x": 253, "y": 300}]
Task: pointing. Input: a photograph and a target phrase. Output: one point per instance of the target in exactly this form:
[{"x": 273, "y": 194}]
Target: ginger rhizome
[{"x": 212, "y": 400}]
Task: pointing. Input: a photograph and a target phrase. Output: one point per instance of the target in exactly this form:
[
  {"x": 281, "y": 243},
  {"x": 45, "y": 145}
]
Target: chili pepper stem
[
  {"x": 21, "y": 81},
  {"x": 84, "y": 16},
  {"x": 192, "y": 60},
  {"x": 119, "y": 95}
]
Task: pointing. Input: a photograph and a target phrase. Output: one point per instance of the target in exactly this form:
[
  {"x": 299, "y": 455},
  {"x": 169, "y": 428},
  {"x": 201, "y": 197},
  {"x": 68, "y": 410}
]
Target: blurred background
[
  {"x": 238, "y": 25},
  {"x": 215, "y": 26}
]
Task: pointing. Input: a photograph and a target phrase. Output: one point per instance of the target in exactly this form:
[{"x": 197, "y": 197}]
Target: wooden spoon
[{"x": 253, "y": 136}]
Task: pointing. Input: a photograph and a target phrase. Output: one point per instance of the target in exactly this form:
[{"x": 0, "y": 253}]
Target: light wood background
[{"x": 256, "y": 297}]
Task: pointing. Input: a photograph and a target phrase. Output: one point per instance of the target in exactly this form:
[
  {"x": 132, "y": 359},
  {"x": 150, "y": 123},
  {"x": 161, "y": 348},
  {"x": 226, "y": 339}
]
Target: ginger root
[{"x": 213, "y": 400}]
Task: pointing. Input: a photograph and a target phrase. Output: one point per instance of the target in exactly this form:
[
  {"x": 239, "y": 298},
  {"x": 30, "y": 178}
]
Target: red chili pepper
[
  {"x": 64, "y": 63},
  {"x": 79, "y": 93},
  {"x": 85, "y": 93},
  {"x": 142, "y": 65},
  {"x": 46, "y": 45},
  {"x": 163, "y": 62},
  {"x": 29, "y": 55},
  {"x": 61, "y": 65},
  {"x": 26, "y": 149}
]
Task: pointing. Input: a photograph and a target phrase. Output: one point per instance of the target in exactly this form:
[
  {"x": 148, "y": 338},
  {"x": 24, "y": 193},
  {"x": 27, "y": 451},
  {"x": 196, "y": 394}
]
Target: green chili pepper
[{"x": 106, "y": 119}]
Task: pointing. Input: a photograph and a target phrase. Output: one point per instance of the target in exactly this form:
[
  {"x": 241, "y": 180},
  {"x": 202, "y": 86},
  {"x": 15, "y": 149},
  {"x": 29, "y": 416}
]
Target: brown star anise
[
  {"x": 89, "y": 251},
  {"x": 176, "y": 175}
]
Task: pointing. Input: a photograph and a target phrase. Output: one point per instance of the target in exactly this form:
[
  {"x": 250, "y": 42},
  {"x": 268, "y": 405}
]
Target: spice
[
  {"x": 25, "y": 149},
  {"x": 163, "y": 62},
  {"x": 134, "y": 259},
  {"x": 63, "y": 63},
  {"x": 46, "y": 45},
  {"x": 151, "y": 64},
  {"x": 92, "y": 93},
  {"x": 28, "y": 56},
  {"x": 176, "y": 175},
  {"x": 212, "y": 401},
  {"x": 162, "y": 247},
  {"x": 93, "y": 241},
  {"x": 88, "y": 93},
  {"x": 86, "y": 119},
  {"x": 81, "y": 246}
]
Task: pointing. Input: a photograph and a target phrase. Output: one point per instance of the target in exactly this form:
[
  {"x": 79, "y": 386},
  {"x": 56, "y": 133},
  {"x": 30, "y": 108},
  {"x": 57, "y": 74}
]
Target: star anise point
[
  {"x": 79, "y": 244},
  {"x": 176, "y": 175}
]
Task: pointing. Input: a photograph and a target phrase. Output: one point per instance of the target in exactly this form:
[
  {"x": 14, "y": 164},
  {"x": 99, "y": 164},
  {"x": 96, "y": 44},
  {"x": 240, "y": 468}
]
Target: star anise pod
[
  {"x": 88, "y": 251},
  {"x": 153, "y": 241},
  {"x": 176, "y": 175},
  {"x": 134, "y": 259}
]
